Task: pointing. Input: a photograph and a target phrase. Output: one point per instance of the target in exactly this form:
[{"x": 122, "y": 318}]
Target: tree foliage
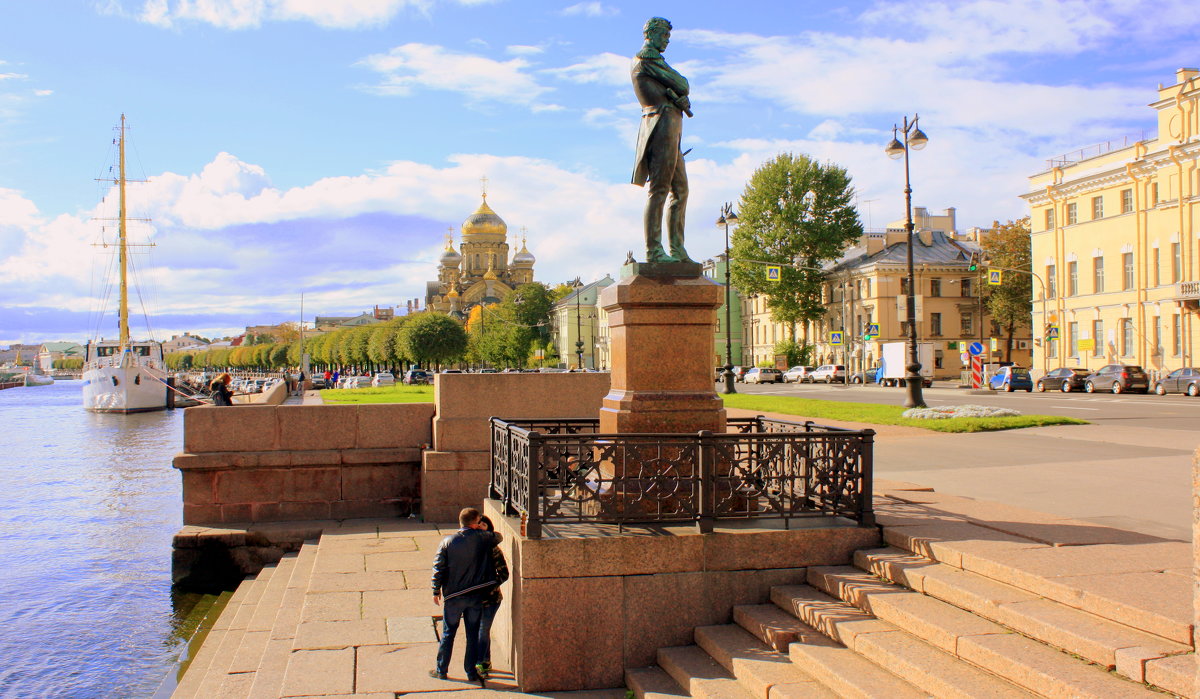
[
  {"x": 1010, "y": 304},
  {"x": 794, "y": 209},
  {"x": 433, "y": 338}
]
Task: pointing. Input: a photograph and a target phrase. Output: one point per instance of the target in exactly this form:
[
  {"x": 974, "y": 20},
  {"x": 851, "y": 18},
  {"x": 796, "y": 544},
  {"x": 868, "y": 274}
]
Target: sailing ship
[{"x": 123, "y": 375}]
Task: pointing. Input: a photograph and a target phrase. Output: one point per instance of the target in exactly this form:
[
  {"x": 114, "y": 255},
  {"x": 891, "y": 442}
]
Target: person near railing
[
  {"x": 491, "y": 605},
  {"x": 463, "y": 576}
]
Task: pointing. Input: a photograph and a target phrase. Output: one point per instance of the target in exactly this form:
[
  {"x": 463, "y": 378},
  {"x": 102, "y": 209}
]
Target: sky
[{"x": 321, "y": 148}]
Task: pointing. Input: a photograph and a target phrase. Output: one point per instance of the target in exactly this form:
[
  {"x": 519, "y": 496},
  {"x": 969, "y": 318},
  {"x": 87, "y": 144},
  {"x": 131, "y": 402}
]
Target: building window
[
  {"x": 1050, "y": 218},
  {"x": 1157, "y": 348},
  {"x": 1176, "y": 263},
  {"x": 868, "y": 289},
  {"x": 903, "y": 286},
  {"x": 1176, "y": 336},
  {"x": 1051, "y": 281},
  {"x": 937, "y": 359},
  {"x": 1153, "y": 194},
  {"x": 1072, "y": 279},
  {"x": 1127, "y": 268},
  {"x": 1072, "y": 214},
  {"x": 1157, "y": 268},
  {"x": 1098, "y": 336},
  {"x": 1126, "y": 337},
  {"x": 1097, "y": 207},
  {"x": 1073, "y": 338},
  {"x": 935, "y": 287},
  {"x": 967, "y": 322},
  {"x": 1126, "y": 201},
  {"x": 965, "y": 283},
  {"x": 1098, "y": 275},
  {"x": 1052, "y": 348},
  {"x": 935, "y": 324}
]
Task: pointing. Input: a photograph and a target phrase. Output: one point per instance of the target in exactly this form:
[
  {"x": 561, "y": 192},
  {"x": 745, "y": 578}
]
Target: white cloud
[
  {"x": 13, "y": 76},
  {"x": 590, "y": 9},
  {"x": 248, "y": 14},
  {"x": 480, "y": 79},
  {"x": 43, "y": 93},
  {"x": 520, "y": 50},
  {"x": 604, "y": 68}
]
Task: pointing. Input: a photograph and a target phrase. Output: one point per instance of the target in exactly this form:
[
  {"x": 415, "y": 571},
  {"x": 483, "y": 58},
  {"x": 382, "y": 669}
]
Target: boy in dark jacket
[
  {"x": 463, "y": 575},
  {"x": 491, "y": 605}
]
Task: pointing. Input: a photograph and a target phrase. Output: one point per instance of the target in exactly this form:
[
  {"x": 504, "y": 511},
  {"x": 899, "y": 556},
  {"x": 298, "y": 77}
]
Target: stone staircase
[
  {"x": 910, "y": 621},
  {"x": 248, "y": 647}
]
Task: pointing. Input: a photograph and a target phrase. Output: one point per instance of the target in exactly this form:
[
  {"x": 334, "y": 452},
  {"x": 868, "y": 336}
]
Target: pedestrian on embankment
[
  {"x": 221, "y": 395},
  {"x": 464, "y": 575},
  {"x": 491, "y": 605}
]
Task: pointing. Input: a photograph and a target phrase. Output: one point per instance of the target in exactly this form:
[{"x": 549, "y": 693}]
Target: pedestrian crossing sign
[
  {"x": 773, "y": 272},
  {"x": 835, "y": 338},
  {"x": 873, "y": 329},
  {"x": 995, "y": 277},
  {"x": 1052, "y": 332}
]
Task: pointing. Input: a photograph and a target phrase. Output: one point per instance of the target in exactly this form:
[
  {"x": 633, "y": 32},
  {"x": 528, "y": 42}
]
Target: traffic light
[{"x": 974, "y": 262}]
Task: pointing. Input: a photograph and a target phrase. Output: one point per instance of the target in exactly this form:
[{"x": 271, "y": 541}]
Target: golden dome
[
  {"x": 490, "y": 274},
  {"x": 524, "y": 258},
  {"x": 484, "y": 223}
]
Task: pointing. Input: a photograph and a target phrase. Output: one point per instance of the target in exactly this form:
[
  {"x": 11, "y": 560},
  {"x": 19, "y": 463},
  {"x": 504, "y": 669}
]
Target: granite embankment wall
[{"x": 302, "y": 462}]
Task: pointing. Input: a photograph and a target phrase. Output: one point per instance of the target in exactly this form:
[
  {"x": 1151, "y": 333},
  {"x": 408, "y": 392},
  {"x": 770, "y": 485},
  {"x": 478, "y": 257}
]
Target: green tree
[
  {"x": 279, "y": 354},
  {"x": 794, "y": 210},
  {"x": 1010, "y": 304},
  {"x": 497, "y": 337},
  {"x": 797, "y": 354},
  {"x": 433, "y": 338},
  {"x": 381, "y": 343},
  {"x": 532, "y": 303}
]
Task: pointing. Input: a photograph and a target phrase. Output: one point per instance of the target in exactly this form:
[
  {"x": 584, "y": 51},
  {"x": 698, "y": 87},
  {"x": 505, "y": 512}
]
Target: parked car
[
  {"x": 414, "y": 377},
  {"x": 1118, "y": 378},
  {"x": 383, "y": 378},
  {"x": 763, "y": 375},
  {"x": 739, "y": 373},
  {"x": 318, "y": 380},
  {"x": 1011, "y": 378},
  {"x": 1185, "y": 380},
  {"x": 1065, "y": 379},
  {"x": 829, "y": 373},
  {"x": 797, "y": 374},
  {"x": 867, "y": 376}
]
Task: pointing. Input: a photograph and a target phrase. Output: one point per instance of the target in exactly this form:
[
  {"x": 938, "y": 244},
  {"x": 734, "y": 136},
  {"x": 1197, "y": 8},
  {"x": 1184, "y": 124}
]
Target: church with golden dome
[{"x": 480, "y": 270}]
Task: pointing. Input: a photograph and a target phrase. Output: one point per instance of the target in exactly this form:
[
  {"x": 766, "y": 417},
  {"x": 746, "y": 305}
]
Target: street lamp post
[
  {"x": 915, "y": 139},
  {"x": 578, "y": 330},
  {"x": 728, "y": 218}
]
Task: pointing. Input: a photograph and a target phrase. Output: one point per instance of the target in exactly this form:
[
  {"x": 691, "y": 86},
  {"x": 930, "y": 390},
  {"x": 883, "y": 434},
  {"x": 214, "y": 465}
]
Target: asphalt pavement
[{"x": 1130, "y": 468}]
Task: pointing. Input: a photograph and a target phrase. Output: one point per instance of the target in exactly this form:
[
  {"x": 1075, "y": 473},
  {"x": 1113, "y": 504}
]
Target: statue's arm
[{"x": 668, "y": 76}]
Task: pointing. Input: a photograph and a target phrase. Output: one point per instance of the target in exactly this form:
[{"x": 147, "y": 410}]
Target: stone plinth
[
  {"x": 661, "y": 334},
  {"x": 587, "y": 602}
]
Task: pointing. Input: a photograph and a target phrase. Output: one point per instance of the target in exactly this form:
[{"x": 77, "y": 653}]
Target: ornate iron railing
[{"x": 564, "y": 471}]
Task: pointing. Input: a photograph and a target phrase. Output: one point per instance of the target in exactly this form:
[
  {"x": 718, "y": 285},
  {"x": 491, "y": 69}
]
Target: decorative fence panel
[{"x": 563, "y": 471}]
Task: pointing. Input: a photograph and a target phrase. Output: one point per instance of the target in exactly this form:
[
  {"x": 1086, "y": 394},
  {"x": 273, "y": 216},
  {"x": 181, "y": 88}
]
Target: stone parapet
[
  {"x": 585, "y": 607},
  {"x": 295, "y": 462}
]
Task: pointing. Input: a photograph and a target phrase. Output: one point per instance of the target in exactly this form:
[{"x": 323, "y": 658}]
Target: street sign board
[
  {"x": 994, "y": 343},
  {"x": 995, "y": 277},
  {"x": 975, "y": 349},
  {"x": 1052, "y": 332},
  {"x": 835, "y": 338},
  {"x": 873, "y": 328},
  {"x": 773, "y": 273},
  {"x": 1087, "y": 344}
]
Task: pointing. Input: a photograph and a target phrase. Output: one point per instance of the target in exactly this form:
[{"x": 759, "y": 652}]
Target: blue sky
[{"x": 323, "y": 147}]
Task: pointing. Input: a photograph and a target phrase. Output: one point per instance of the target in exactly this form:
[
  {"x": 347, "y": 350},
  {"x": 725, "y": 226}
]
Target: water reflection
[{"x": 90, "y": 504}]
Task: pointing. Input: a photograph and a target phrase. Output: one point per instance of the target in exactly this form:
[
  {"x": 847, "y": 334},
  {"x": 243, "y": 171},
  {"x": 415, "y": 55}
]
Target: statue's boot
[{"x": 655, "y": 254}]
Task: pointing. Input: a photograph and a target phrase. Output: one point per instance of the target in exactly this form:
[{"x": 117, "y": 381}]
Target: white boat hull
[
  {"x": 38, "y": 380},
  {"x": 123, "y": 389}
]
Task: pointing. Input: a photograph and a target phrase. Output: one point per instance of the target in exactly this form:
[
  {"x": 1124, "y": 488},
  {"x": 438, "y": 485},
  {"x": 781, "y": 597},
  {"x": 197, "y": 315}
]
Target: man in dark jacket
[{"x": 463, "y": 575}]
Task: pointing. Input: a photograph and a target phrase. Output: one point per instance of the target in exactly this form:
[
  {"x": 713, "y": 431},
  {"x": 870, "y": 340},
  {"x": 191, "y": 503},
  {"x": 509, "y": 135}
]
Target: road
[{"x": 1130, "y": 468}]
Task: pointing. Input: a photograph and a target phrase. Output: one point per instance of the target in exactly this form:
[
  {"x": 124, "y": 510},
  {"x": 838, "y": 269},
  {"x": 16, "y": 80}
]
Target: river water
[{"x": 88, "y": 506}]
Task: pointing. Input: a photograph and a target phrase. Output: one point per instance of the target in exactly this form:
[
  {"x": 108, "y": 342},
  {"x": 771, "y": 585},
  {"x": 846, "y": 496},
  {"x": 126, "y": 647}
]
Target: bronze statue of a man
[{"x": 663, "y": 94}]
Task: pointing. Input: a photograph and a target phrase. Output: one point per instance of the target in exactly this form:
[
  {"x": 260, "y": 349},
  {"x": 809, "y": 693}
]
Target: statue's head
[{"x": 657, "y": 30}]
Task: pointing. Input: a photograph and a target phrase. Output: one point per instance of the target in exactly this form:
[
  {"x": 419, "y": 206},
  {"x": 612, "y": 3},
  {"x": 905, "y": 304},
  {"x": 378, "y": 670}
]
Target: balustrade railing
[{"x": 564, "y": 471}]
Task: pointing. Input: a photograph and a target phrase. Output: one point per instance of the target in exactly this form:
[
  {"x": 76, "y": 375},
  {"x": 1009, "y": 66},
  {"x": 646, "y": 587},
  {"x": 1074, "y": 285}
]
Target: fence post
[
  {"x": 866, "y": 506},
  {"x": 707, "y": 489},
  {"x": 492, "y": 460},
  {"x": 533, "y": 522}
]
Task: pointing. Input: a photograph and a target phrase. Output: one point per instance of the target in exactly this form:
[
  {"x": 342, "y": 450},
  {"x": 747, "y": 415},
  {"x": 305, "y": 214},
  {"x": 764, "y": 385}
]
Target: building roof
[
  {"x": 64, "y": 347},
  {"x": 589, "y": 290},
  {"x": 942, "y": 250}
]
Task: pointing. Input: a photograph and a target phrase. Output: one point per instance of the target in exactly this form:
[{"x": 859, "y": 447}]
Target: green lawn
[
  {"x": 875, "y": 414},
  {"x": 384, "y": 394}
]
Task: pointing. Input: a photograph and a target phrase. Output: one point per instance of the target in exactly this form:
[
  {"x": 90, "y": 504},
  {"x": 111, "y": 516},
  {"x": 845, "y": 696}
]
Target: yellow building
[
  {"x": 580, "y": 327},
  {"x": 1114, "y": 233},
  {"x": 867, "y": 287}
]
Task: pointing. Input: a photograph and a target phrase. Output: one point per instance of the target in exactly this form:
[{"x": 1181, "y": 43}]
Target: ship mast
[{"x": 122, "y": 250}]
